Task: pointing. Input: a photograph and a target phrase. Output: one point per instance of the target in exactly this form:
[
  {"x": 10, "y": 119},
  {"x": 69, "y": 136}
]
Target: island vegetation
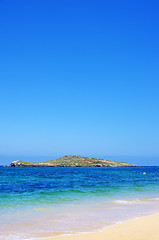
[{"x": 72, "y": 161}]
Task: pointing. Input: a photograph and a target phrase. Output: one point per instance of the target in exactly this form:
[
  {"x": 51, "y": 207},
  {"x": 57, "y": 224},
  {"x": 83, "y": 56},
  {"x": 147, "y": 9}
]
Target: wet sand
[{"x": 145, "y": 228}]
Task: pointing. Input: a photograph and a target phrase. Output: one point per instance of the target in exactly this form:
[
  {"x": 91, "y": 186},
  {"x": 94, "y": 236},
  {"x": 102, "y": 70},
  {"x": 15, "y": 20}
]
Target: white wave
[{"x": 135, "y": 201}]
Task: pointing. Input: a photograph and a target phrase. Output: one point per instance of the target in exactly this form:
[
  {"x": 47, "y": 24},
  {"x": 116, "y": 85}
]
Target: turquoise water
[{"x": 37, "y": 202}]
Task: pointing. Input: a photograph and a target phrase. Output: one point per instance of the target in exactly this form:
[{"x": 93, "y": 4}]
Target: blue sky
[{"x": 79, "y": 77}]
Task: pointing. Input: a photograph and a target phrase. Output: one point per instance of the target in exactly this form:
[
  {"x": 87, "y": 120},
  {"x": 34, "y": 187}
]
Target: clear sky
[{"x": 79, "y": 77}]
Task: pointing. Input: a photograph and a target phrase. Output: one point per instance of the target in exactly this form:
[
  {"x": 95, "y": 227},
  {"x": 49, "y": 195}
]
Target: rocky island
[{"x": 72, "y": 161}]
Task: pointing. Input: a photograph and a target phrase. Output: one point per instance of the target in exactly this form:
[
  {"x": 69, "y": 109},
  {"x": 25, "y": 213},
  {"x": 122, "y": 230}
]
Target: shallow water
[{"x": 47, "y": 201}]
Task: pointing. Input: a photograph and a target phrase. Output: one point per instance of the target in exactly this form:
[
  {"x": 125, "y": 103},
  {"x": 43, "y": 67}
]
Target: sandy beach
[{"x": 145, "y": 228}]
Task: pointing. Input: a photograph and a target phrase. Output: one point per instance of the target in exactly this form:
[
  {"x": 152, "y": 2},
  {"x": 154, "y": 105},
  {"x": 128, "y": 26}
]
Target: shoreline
[
  {"x": 143, "y": 228},
  {"x": 71, "y": 204}
]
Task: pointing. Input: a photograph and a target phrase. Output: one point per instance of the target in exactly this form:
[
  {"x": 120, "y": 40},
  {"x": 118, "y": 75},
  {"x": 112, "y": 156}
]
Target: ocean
[{"x": 48, "y": 201}]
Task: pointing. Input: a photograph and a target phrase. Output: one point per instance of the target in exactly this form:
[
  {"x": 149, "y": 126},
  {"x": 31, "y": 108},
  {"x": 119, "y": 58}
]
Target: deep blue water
[{"x": 102, "y": 194}]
